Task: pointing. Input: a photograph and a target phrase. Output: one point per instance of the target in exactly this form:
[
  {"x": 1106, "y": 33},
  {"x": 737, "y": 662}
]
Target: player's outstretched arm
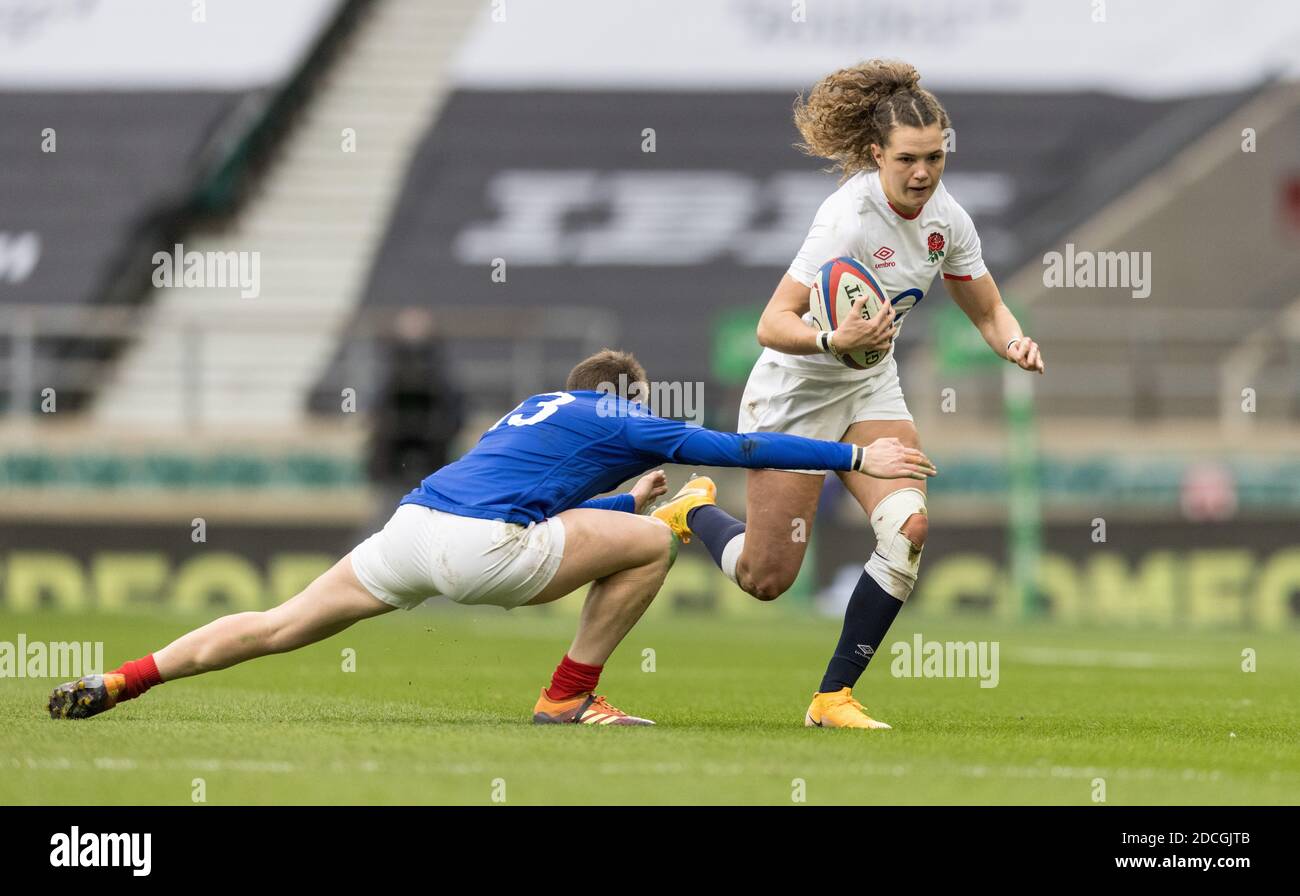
[
  {"x": 675, "y": 442},
  {"x": 883, "y": 459}
]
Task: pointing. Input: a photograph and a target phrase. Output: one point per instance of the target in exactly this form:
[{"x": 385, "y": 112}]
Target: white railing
[
  {"x": 1163, "y": 364},
  {"x": 1269, "y": 354},
  {"x": 74, "y": 349}
]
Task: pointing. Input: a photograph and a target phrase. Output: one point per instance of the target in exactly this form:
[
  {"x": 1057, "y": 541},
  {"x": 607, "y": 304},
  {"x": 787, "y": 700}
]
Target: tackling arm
[
  {"x": 671, "y": 440},
  {"x": 684, "y": 443},
  {"x": 765, "y": 450}
]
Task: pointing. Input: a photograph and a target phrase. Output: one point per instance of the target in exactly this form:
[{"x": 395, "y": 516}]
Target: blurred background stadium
[{"x": 445, "y": 204}]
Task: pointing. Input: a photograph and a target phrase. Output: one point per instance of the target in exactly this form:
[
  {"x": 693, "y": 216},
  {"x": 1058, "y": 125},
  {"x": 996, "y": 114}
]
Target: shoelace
[
  {"x": 848, "y": 699},
  {"x": 605, "y": 707}
]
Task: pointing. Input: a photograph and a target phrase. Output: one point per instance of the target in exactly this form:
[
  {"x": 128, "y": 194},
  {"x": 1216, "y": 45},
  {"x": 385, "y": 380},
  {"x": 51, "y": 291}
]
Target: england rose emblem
[{"x": 935, "y": 245}]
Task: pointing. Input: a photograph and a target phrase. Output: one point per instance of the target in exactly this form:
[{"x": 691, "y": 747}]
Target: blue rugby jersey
[{"x": 558, "y": 449}]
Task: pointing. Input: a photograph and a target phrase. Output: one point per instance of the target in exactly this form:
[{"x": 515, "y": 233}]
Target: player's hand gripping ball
[{"x": 840, "y": 284}]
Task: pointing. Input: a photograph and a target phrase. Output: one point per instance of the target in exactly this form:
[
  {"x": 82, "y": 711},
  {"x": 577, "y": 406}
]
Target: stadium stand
[
  {"x": 548, "y": 184},
  {"x": 106, "y": 162},
  {"x": 314, "y": 222},
  {"x": 122, "y": 169},
  {"x": 1219, "y": 320},
  {"x": 464, "y": 162},
  {"x": 554, "y": 183}
]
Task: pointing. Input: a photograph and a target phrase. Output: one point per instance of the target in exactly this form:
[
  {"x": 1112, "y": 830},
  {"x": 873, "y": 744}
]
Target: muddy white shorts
[
  {"x": 778, "y": 399},
  {"x": 423, "y": 553}
]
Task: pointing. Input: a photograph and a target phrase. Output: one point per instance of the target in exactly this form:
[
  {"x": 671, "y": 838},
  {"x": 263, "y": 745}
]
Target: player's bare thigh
[
  {"x": 599, "y": 543},
  {"x": 870, "y": 491},
  {"x": 334, "y": 600},
  {"x": 331, "y": 603},
  {"x": 780, "y": 510}
]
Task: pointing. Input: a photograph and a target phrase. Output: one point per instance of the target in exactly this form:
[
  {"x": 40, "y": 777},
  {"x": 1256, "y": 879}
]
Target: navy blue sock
[
  {"x": 870, "y": 613},
  {"x": 715, "y": 527}
]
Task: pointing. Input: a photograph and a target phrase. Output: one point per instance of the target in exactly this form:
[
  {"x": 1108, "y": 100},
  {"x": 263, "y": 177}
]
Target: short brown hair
[
  {"x": 604, "y": 369},
  {"x": 852, "y": 108}
]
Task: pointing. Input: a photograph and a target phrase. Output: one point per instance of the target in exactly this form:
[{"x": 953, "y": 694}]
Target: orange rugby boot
[
  {"x": 838, "y": 709},
  {"x": 584, "y": 709}
]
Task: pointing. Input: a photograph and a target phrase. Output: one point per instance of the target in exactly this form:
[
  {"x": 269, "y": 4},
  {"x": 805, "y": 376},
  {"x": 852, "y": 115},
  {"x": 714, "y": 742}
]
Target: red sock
[
  {"x": 141, "y": 675},
  {"x": 571, "y": 679}
]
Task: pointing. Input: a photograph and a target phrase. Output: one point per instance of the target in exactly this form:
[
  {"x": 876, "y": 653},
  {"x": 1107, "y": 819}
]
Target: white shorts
[
  {"x": 423, "y": 553},
  {"x": 778, "y": 399}
]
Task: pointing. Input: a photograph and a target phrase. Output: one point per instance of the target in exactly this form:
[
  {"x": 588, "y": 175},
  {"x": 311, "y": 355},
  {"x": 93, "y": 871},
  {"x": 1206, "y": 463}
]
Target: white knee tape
[
  {"x": 895, "y": 562},
  {"x": 731, "y": 556}
]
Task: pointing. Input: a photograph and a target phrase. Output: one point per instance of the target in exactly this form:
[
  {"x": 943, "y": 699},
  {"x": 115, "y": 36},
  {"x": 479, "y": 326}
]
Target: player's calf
[
  {"x": 643, "y": 549},
  {"x": 901, "y": 526},
  {"x": 331, "y": 603}
]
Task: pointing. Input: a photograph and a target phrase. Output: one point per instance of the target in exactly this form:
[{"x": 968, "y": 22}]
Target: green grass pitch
[{"x": 438, "y": 711}]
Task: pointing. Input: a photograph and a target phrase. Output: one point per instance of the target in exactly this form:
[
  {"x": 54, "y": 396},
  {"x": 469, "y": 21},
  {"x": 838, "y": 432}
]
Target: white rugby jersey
[{"x": 904, "y": 254}]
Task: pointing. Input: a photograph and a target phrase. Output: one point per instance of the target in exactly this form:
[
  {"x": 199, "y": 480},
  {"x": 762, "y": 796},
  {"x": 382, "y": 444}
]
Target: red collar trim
[{"x": 903, "y": 216}]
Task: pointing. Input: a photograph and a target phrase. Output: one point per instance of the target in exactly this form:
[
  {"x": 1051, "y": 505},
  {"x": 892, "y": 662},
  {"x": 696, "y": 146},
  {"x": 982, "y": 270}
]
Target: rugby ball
[{"x": 840, "y": 283}]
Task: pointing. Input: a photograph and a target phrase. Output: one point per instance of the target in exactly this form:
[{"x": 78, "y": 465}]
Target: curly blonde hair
[{"x": 852, "y": 108}]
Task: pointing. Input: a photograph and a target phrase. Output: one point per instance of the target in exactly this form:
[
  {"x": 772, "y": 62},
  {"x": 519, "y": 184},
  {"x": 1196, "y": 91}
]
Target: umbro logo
[
  {"x": 866, "y": 650},
  {"x": 884, "y": 253}
]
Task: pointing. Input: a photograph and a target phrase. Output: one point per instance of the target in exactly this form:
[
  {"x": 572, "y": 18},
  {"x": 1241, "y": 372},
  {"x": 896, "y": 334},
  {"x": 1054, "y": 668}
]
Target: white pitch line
[
  {"x": 124, "y": 764},
  {"x": 665, "y": 769},
  {"x": 1128, "y": 659}
]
